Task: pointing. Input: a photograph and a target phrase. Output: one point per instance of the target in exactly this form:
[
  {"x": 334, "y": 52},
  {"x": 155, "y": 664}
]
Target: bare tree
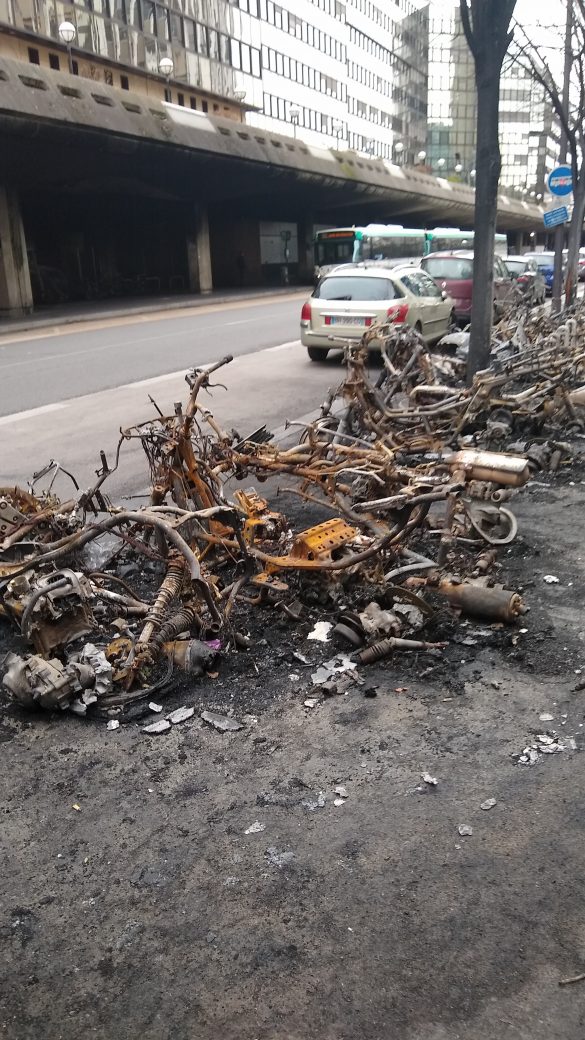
[
  {"x": 570, "y": 111},
  {"x": 486, "y": 24}
]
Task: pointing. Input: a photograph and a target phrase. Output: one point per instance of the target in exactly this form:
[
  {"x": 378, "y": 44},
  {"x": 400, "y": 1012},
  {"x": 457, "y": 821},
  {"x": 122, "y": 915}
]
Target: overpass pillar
[
  {"x": 199, "y": 255},
  {"x": 305, "y": 234},
  {"x": 15, "y": 288}
]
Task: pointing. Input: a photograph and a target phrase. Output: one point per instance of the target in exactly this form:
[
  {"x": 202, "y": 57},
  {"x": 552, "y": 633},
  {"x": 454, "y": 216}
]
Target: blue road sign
[
  {"x": 554, "y": 217},
  {"x": 560, "y": 181}
]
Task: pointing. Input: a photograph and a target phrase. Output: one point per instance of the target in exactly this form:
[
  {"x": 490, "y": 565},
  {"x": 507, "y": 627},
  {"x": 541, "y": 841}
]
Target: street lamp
[
  {"x": 399, "y": 149},
  {"x": 441, "y": 163},
  {"x": 165, "y": 67},
  {"x": 421, "y": 156},
  {"x": 337, "y": 127},
  {"x": 472, "y": 175},
  {"x": 67, "y": 33},
  {"x": 458, "y": 168},
  {"x": 294, "y": 114},
  {"x": 539, "y": 198}
]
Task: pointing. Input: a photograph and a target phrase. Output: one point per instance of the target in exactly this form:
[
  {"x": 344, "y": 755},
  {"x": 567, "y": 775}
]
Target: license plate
[{"x": 335, "y": 320}]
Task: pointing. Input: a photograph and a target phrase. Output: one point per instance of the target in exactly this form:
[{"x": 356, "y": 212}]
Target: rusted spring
[
  {"x": 181, "y": 621},
  {"x": 169, "y": 590}
]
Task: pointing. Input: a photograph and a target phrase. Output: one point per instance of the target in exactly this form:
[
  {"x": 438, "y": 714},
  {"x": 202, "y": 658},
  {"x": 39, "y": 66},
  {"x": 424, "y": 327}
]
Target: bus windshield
[{"x": 338, "y": 250}]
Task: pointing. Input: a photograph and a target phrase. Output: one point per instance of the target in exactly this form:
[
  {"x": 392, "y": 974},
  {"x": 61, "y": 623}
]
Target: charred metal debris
[{"x": 415, "y": 468}]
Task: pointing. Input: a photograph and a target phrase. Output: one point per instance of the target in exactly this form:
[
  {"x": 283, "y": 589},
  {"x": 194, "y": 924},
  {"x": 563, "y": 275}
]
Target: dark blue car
[{"x": 546, "y": 265}]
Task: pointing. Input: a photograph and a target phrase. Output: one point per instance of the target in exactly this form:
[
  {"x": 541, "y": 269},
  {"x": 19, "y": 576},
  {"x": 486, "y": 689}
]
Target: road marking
[
  {"x": 139, "y": 384},
  {"x": 280, "y": 346}
]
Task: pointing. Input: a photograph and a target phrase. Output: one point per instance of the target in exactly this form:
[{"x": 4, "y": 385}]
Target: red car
[{"x": 453, "y": 272}]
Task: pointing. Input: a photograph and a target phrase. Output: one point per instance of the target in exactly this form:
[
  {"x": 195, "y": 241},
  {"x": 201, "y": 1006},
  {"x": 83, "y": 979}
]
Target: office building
[
  {"x": 349, "y": 73},
  {"x": 528, "y": 130}
]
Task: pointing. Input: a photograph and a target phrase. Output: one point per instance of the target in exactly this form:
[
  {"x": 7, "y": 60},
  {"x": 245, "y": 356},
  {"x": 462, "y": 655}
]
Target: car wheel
[{"x": 317, "y": 353}]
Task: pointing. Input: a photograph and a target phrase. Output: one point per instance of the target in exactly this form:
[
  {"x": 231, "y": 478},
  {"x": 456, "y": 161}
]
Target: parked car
[
  {"x": 351, "y": 299},
  {"x": 453, "y": 272},
  {"x": 529, "y": 280},
  {"x": 546, "y": 265}
]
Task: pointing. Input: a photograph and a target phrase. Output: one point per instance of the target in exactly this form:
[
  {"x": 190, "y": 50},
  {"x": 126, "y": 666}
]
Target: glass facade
[
  {"x": 210, "y": 47},
  {"x": 528, "y": 137}
]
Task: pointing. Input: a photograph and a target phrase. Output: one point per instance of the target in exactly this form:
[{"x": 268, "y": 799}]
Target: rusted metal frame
[
  {"x": 391, "y": 538},
  {"x": 201, "y": 380}
]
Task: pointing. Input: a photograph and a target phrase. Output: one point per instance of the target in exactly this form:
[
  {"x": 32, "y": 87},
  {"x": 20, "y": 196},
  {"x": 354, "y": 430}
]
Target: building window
[
  {"x": 33, "y": 56},
  {"x": 213, "y": 44},
  {"x": 74, "y": 68},
  {"x": 204, "y": 106},
  {"x": 202, "y": 45},
  {"x": 168, "y": 95},
  {"x": 108, "y": 77},
  {"x": 54, "y": 62},
  {"x": 193, "y": 102},
  {"x": 181, "y": 99},
  {"x": 215, "y": 107},
  {"x": 124, "y": 83}
]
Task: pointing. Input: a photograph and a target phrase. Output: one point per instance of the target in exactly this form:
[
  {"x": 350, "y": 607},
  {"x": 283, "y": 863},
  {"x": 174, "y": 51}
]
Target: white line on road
[
  {"x": 281, "y": 346},
  {"x": 32, "y": 358},
  {"x": 44, "y": 409}
]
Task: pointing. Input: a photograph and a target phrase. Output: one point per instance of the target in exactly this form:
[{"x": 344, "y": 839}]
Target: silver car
[{"x": 351, "y": 299}]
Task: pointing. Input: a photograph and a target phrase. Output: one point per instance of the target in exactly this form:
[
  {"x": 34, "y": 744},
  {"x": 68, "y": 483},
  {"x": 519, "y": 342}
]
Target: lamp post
[
  {"x": 421, "y": 156},
  {"x": 399, "y": 150},
  {"x": 294, "y": 115},
  {"x": 441, "y": 164},
  {"x": 337, "y": 128},
  {"x": 67, "y": 33},
  {"x": 165, "y": 67},
  {"x": 458, "y": 169},
  {"x": 472, "y": 176}
]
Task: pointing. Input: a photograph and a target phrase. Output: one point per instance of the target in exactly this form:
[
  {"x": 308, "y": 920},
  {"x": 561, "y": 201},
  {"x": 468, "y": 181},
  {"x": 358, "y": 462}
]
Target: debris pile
[{"x": 112, "y": 604}]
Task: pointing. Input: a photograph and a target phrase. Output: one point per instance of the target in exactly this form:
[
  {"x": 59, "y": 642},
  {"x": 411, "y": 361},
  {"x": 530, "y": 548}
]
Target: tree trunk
[
  {"x": 575, "y": 228},
  {"x": 487, "y": 166}
]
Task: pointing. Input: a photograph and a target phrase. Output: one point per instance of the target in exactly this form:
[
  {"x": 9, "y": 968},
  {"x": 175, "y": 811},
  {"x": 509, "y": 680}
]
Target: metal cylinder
[
  {"x": 491, "y": 465},
  {"x": 384, "y": 647},
  {"x": 190, "y": 655},
  {"x": 480, "y": 601}
]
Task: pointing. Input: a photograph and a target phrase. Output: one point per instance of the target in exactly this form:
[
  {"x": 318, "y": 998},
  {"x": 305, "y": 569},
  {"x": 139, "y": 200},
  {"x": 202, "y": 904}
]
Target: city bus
[
  {"x": 335, "y": 246},
  {"x": 444, "y": 239}
]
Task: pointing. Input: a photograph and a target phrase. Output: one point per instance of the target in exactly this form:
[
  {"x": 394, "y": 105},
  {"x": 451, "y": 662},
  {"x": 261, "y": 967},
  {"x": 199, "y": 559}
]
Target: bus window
[
  {"x": 334, "y": 250},
  {"x": 394, "y": 247}
]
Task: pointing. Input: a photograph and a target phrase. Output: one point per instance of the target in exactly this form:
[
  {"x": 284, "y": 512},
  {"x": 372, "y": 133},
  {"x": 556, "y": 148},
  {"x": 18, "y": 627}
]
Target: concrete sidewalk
[{"x": 101, "y": 310}]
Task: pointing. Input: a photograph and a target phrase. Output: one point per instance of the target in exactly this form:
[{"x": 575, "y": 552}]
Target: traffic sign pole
[{"x": 560, "y": 231}]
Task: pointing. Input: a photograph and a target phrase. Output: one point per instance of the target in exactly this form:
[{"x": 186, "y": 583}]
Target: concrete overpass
[{"x": 96, "y": 178}]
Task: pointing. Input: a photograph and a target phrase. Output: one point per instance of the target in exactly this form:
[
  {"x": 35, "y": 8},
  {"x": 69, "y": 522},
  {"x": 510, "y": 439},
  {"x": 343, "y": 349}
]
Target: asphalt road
[{"x": 65, "y": 393}]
